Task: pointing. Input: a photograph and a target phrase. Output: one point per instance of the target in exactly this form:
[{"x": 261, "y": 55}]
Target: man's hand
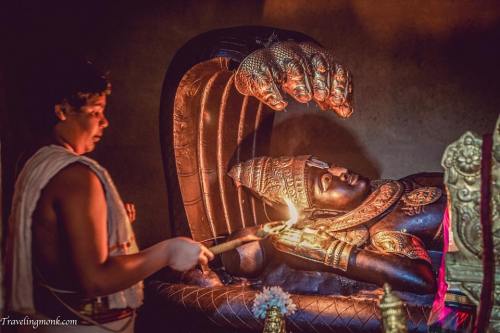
[
  {"x": 184, "y": 253},
  {"x": 305, "y": 71}
]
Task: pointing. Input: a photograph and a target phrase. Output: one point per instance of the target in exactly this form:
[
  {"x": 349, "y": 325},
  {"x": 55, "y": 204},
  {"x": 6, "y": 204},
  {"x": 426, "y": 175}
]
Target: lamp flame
[
  {"x": 294, "y": 214},
  {"x": 274, "y": 228}
]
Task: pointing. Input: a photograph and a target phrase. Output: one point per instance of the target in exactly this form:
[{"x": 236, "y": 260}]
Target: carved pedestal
[{"x": 464, "y": 268}]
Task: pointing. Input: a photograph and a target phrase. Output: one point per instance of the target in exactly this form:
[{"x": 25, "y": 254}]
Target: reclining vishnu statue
[
  {"x": 374, "y": 231},
  {"x": 350, "y": 235}
]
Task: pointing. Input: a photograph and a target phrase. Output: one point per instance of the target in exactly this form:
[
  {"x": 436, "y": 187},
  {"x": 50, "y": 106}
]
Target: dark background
[{"x": 424, "y": 73}]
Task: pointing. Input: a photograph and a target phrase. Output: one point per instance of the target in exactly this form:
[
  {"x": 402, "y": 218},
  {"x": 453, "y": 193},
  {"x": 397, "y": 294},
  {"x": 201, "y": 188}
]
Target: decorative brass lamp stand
[
  {"x": 393, "y": 313},
  {"x": 272, "y": 305},
  {"x": 274, "y": 322}
]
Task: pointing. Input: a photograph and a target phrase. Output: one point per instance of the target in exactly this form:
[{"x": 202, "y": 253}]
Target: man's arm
[{"x": 80, "y": 205}]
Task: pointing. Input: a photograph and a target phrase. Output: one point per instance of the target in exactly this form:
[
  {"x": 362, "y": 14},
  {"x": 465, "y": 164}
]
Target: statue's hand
[
  {"x": 313, "y": 245},
  {"x": 303, "y": 70}
]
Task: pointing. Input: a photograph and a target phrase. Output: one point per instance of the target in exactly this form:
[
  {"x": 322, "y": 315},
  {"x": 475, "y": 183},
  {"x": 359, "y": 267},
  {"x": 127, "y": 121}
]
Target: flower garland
[{"x": 272, "y": 297}]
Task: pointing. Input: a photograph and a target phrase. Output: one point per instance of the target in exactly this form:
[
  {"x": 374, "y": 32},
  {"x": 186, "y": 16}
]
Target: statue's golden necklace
[{"x": 387, "y": 193}]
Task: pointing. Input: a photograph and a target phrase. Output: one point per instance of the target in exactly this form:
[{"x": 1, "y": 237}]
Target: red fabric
[
  {"x": 439, "y": 311},
  {"x": 453, "y": 317}
]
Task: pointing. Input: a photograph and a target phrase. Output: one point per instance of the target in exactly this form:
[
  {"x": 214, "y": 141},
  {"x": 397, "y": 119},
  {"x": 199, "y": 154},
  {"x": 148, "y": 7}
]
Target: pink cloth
[{"x": 439, "y": 311}]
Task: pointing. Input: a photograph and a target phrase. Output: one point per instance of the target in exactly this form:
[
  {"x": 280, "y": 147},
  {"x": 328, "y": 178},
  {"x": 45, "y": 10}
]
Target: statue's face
[{"x": 337, "y": 188}]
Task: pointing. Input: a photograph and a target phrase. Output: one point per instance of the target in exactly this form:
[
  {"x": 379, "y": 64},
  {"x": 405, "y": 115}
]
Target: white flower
[{"x": 273, "y": 296}]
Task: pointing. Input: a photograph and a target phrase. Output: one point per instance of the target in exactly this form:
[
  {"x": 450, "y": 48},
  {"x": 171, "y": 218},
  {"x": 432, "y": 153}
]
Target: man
[{"x": 72, "y": 250}]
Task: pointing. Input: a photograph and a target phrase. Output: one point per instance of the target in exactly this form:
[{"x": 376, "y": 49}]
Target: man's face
[
  {"x": 85, "y": 126},
  {"x": 336, "y": 188}
]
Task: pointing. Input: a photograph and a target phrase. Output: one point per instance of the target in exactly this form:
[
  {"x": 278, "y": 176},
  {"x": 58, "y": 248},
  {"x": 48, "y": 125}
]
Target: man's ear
[{"x": 60, "y": 112}]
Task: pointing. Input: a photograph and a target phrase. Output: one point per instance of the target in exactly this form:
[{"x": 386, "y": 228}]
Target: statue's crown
[{"x": 275, "y": 179}]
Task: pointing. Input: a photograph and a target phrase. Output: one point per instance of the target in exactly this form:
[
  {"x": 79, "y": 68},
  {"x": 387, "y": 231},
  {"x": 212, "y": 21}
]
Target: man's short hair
[{"x": 76, "y": 82}]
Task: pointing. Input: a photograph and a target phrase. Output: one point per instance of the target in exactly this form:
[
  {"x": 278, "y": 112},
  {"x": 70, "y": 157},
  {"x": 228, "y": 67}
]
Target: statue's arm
[
  {"x": 313, "y": 251},
  {"x": 370, "y": 266},
  {"x": 398, "y": 260},
  {"x": 401, "y": 273}
]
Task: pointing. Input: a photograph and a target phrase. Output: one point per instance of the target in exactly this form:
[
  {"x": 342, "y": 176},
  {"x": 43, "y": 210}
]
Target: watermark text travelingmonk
[{"x": 35, "y": 323}]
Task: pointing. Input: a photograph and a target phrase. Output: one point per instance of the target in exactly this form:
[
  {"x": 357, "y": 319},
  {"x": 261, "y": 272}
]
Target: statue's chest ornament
[
  {"x": 413, "y": 203},
  {"x": 381, "y": 199}
]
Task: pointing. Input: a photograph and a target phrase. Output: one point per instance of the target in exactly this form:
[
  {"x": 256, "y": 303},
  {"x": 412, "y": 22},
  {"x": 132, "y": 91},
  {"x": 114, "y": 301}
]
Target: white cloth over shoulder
[{"x": 37, "y": 172}]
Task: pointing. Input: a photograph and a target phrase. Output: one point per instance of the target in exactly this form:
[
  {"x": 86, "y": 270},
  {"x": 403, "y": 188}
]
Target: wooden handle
[
  {"x": 232, "y": 244},
  {"x": 267, "y": 230}
]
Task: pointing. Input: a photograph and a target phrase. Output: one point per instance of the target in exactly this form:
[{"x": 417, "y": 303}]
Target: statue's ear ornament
[{"x": 316, "y": 163}]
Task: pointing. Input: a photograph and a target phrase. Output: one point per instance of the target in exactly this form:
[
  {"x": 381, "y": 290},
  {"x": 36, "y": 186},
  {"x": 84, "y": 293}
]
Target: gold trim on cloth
[
  {"x": 381, "y": 199},
  {"x": 460, "y": 299},
  {"x": 400, "y": 243},
  {"x": 356, "y": 236},
  {"x": 414, "y": 202}
]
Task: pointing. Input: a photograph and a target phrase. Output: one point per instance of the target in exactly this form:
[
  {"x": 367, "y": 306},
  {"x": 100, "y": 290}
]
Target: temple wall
[{"x": 422, "y": 75}]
